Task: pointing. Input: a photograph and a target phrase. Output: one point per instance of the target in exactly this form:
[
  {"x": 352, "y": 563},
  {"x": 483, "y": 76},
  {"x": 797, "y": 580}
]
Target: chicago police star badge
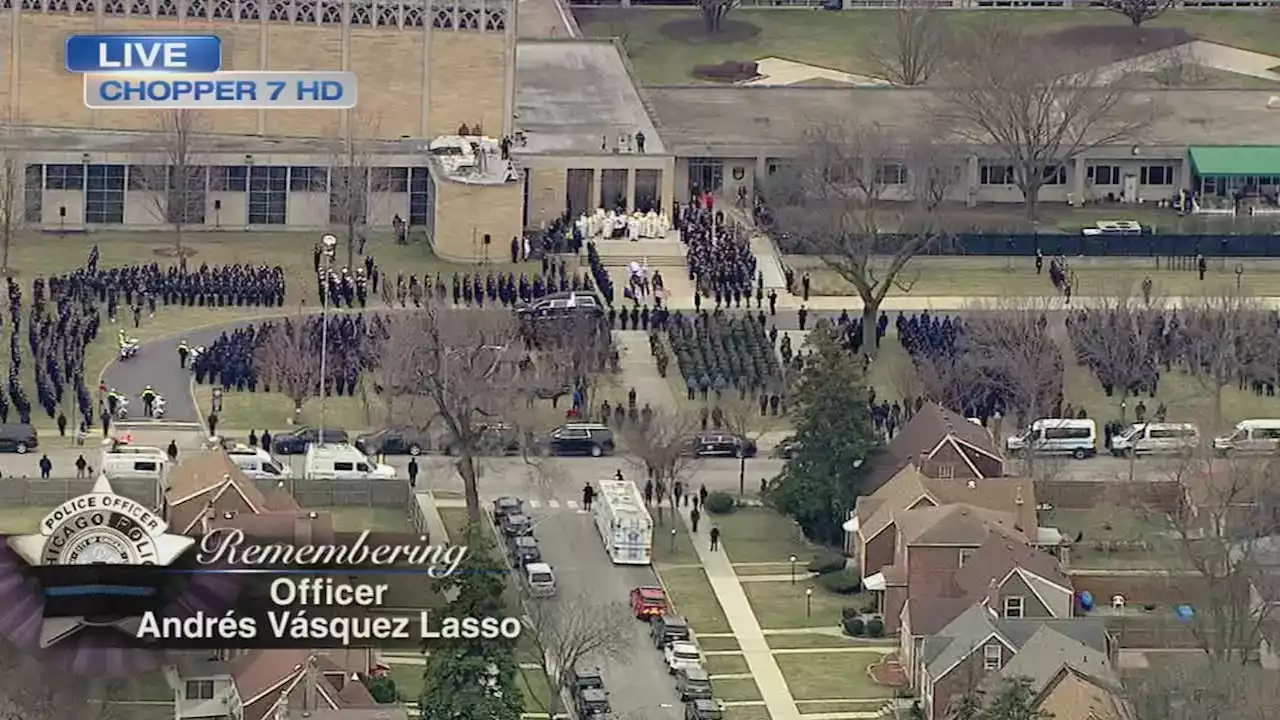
[{"x": 101, "y": 528}]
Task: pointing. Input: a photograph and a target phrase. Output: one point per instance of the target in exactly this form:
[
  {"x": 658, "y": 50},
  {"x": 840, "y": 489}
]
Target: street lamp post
[
  {"x": 673, "y": 541},
  {"x": 793, "y": 569},
  {"x": 329, "y": 242},
  {"x": 808, "y": 602}
]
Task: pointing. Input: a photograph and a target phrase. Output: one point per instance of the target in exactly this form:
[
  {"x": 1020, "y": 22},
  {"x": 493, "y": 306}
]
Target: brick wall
[{"x": 465, "y": 213}]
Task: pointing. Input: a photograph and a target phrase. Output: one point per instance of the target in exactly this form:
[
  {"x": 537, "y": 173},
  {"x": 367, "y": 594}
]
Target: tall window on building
[
  {"x": 349, "y": 195},
  {"x": 64, "y": 177},
  {"x": 1156, "y": 175},
  {"x": 268, "y": 194},
  {"x": 307, "y": 178},
  {"x": 1103, "y": 174},
  {"x": 33, "y": 194},
  {"x": 422, "y": 202},
  {"x": 995, "y": 174},
  {"x": 104, "y": 195}
]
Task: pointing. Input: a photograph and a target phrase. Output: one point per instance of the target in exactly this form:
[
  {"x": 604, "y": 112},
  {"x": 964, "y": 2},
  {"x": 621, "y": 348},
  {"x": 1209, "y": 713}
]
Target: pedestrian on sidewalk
[
  {"x": 677, "y": 491},
  {"x": 46, "y": 467},
  {"x": 81, "y": 464},
  {"x": 213, "y": 424},
  {"x": 715, "y": 538},
  {"x": 694, "y": 517},
  {"x": 804, "y": 285},
  {"x": 172, "y": 451},
  {"x": 588, "y": 496},
  {"x": 773, "y": 302},
  {"x": 413, "y": 472},
  {"x": 702, "y": 495}
]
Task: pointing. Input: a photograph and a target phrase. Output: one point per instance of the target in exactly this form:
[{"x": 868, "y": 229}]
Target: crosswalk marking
[
  {"x": 571, "y": 504},
  {"x": 554, "y": 504},
  {"x": 534, "y": 504}
]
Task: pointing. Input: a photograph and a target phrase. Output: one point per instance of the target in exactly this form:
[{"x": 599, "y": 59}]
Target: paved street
[
  {"x": 638, "y": 684},
  {"x": 156, "y": 364}
]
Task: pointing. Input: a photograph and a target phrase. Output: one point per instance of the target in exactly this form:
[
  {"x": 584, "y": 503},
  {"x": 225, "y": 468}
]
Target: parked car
[
  {"x": 590, "y": 699},
  {"x": 703, "y": 709},
  {"x": 18, "y": 438},
  {"x": 493, "y": 439},
  {"x": 523, "y": 550},
  {"x": 507, "y": 505},
  {"x": 591, "y": 439},
  {"x": 295, "y": 442},
  {"x": 648, "y": 602},
  {"x": 392, "y": 441},
  {"x": 786, "y": 449},
  {"x": 721, "y": 444},
  {"x": 667, "y": 629},
  {"x": 516, "y": 524},
  {"x": 562, "y": 305},
  {"x": 681, "y": 655},
  {"x": 693, "y": 683}
]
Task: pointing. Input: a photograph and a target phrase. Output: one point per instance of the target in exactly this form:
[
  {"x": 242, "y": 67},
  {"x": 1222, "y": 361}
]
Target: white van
[
  {"x": 1145, "y": 438},
  {"x": 134, "y": 466},
  {"x": 257, "y": 463},
  {"x": 343, "y": 462},
  {"x": 1250, "y": 436},
  {"x": 122, "y": 449},
  {"x": 1057, "y": 436},
  {"x": 540, "y": 579}
]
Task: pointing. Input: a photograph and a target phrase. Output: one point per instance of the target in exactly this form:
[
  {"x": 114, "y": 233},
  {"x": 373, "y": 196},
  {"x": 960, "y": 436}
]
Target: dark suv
[
  {"x": 562, "y": 305},
  {"x": 703, "y": 710},
  {"x": 296, "y": 442},
  {"x": 581, "y": 439},
  {"x": 721, "y": 444},
  {"x": 492, "y": 439},
  {"x": 666, "y": 629}
]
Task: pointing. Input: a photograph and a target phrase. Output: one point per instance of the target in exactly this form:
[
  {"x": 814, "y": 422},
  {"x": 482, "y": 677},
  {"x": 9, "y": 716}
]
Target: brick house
[
  {"x": 978, "y": 649},
  {"x": 264, "y": 684},
  {"x": 942, "y": 444},
  {"x": 1074, "y": 695},
  {"x": 1014, "y": 579}
]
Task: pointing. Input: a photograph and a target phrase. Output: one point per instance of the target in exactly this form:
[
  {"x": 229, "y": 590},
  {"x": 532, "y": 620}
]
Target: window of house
[
  {"x": 229, "y": 178},
  {"x": 964, "y": 556},
  {"x": 1104, "y": 174},
  {"x": 1156, "y": 175},
  {"x": 991, "y": 656},
  {"x": 1056, "y": 175},
  {"x": 307, "y": 178},
  {"x": 64, "y": 177},
  {"x": 995, "y": 174},
  {"x": 33, "y": 194},
  {"x": 1013, "y": 607},
  {"x": 199, "y": 689},
  {"x": 891, "y": 174},
  {"x": 390, "y": 180}
]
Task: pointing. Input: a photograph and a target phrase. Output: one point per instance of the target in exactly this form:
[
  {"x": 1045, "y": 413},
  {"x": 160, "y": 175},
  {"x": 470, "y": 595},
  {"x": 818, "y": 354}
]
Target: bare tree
[
  {"x": 714, "y": 12},
  {"x": 1139, "y": 11},
  {"x": 1226, "y": 339},
  {"x": 745, "y": 419},
  {"x": 288, "y": 361},
  {"x": 1038, "y": 115},
  {"x": 354, "y": 181},
  {"x": 1179, "y": 67},
  {"x": 661, "y": 448},
  {"x": 1198, "y": 689},
  {"x": 466, "y": 369},
  {"x": 917, "y": 48},
  {"x": 853, "y": 185},
  {"x": 1120, "y": 339},
  {"x": 568, "y": 633},
  {"x": 11, "y": 198},
  {"x": 176, "y": 185}
]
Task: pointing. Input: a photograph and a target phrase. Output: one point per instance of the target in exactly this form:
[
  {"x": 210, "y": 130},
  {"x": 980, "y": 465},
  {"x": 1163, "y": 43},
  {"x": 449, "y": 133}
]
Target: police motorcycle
[
  {"x": 122, "y": 408},
  {"x": 196, "y": 352},
  {"x": 157, "y": 407},
  {"x": 128, "y": 346}
]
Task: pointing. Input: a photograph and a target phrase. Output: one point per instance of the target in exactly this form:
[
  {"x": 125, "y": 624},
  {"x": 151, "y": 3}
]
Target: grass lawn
[
  {"x": 725, "y": 664},
  {"x": 690, "y": 593},
  {"x": 258, "y": 410},
  {"x": 986, "y": 276},
  {"x": 792, "y": 641},
  {"x": 716, "y": 644},
  {"x": 761, "y": 535},
  {"x": 16, "y": 520},
  {"x": 536, "y": 691},
  {"x": 736, "y": 690},
  {"x": 844, "y": 40},
  {"x": 778, "y": 568},
  {"x": 749, "y": 712},
  {"x": 149, "y": 687},
  {"x": 456, "y": 522},
  {"x": 667, "y": 553},
  {"x": 815, "y": 707},
  {"x": 1109, "y": 536},
  {"x": 781, "y": 605},
  {"x": 355, "y": 519},
  {"x": 831, "y": 676},
  {"x": 409, "y": 681}
]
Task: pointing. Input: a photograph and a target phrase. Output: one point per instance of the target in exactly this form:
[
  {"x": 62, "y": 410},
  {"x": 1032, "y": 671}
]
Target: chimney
[
  {"x": 973, "y": 484},
  {"x": 1017, "y": 500},
  {"x": 303, "y": 530},
  {"x": 310, "y": 692},
  {"x": 988, "y": 599},
  {"x": 204, "y": 523}
]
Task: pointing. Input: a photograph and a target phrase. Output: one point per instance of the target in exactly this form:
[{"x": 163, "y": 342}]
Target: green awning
[{"x": 1236, "y": 159}]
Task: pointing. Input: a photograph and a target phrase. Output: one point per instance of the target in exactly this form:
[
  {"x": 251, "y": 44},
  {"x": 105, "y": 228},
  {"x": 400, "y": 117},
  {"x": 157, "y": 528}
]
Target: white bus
[{"x": 624, "y": 523}]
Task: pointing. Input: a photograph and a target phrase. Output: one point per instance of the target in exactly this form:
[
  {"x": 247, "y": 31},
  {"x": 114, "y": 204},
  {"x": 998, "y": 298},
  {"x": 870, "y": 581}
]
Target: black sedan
[
  {"x": 391, "y": 441},
  {"x": 296, "y": 441},
  {"x": 718, "y": 444}
]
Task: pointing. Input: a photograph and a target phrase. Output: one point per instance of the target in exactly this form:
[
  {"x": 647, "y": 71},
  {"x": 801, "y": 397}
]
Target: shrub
[
  {"x": 870, "y": 609},
  {"x": 383, "y": 689},
  {"x": 848, "y": 613},
  {"x": 854, "y": 627},
  {"x": 719, "y": 503},
  {"x": 842, "y": 582},
  {"x": 875, "y": 628},
  {"x": 728, "y": 71},
  {"x": 827, "y": 563}
]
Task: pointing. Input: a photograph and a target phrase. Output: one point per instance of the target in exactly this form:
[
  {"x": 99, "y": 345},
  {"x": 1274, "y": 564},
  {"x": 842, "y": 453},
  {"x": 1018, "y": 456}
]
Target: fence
[
  {"x": 1152, "y": 246},
  {"x": 27, "y": 492}
]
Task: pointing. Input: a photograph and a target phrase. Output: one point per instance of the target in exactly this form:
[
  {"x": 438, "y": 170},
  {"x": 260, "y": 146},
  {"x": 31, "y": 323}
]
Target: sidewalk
[
  {"x": 640, "y": 371},
  {"x": 918, "y": 303},
  {"x": 742, "y": 620}
]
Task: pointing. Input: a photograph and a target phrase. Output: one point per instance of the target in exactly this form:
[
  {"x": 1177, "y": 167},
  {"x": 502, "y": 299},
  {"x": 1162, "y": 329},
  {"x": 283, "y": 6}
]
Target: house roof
[
  {"x": 268, "y": 678},
  {"x": 1073, "y": 695},
  {"x": 929, "y": 615},
  {"x": 877, "y": 511},
  {"x": 972, "y": 628},
  {"x": 378, "y": 713},
  {"x": 921, "y": 437},
  {"x": 1047, "y": 651},
  {"x": 904, "y": 490},
  {"x": 209, "y": 485},
  {"x": 999, "y": 556},
  {"x": 956, "y": 524}
]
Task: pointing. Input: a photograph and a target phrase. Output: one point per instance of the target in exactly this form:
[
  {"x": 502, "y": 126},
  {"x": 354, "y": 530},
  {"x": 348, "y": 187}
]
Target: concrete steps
[{"x": 653, "y": 250}]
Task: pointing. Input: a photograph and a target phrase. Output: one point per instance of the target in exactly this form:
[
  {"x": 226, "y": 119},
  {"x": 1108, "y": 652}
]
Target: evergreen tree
[
  {"x": 474, "y": 678},
  {"x": 834, "y": 442}
]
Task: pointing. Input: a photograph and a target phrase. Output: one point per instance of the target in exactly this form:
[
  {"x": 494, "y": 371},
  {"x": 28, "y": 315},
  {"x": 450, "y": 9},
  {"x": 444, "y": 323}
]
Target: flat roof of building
[
  {"x": 737, "y": 121},
  {"x": 571, "y": 94}
]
